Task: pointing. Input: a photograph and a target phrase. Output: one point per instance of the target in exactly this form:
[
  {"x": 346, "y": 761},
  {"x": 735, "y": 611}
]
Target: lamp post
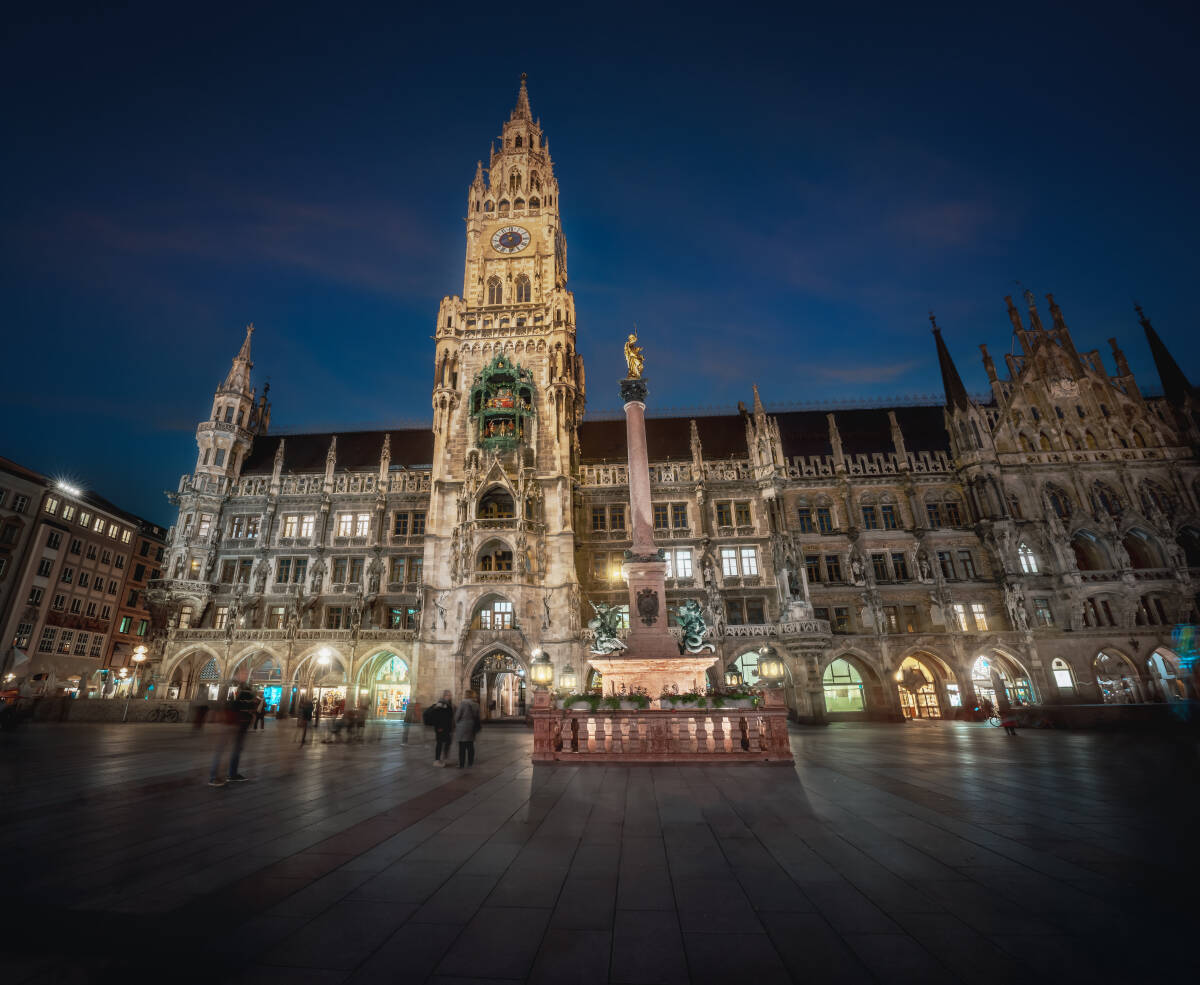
[
  {"x": 139, "y": 655},
  {"x": 733, "y": 677}
]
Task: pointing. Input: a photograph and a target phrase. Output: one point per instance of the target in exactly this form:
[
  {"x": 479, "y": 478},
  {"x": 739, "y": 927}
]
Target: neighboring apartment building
[
  {"x": 21, "y": 492},
  {"x": 132, "y": 627},
  {"x": 60, "y": 624},
  {"x": 1035, "y": 545}
]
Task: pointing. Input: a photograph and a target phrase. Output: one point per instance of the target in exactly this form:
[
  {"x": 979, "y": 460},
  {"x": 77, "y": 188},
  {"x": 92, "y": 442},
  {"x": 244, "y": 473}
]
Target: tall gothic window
[
  {"x": 1028, "y": 559},
  {"x": 494, "y": 291},
  {"x": 523, "y": 288},
  {"x": 514, "y": 182}
]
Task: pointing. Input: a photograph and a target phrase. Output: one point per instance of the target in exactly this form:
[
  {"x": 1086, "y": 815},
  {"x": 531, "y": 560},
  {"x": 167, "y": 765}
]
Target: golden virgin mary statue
[{"x": 633, "y": 356}]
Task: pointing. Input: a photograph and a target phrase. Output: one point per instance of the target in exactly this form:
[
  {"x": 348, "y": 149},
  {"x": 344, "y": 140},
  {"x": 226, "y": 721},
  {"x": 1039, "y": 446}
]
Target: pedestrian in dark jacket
[
  {"x": 466, "y": 727},
  {"x": 260, "y": 713},
  {"x": 239, "y": 713},
  {"x": 440, "y": 715}
]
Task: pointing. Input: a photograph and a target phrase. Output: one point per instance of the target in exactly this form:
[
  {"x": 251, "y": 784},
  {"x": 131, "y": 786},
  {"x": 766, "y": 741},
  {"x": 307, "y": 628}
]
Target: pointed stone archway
[{"x": 499, "y": 675}]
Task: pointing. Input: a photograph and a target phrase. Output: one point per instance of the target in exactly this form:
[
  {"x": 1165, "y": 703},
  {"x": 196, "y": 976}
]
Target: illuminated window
[
  {"x": 1028, "y": 559},
  {"x": 52, "y": 504},
  {"x": 345, "y": 527},
  {"x": 749, "y": 561},
  {"x": 362, "y": 524},
  {"x": 307, "y": 523},
  {"x": 729, "y": 561},
  {"x": 1062, "y": 675},
  {"x": 980, "y": 616},
  {"x": 843, "y": 688}
]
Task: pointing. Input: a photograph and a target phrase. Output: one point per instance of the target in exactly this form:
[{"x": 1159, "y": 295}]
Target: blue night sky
[{"x": 779, "y": 198}]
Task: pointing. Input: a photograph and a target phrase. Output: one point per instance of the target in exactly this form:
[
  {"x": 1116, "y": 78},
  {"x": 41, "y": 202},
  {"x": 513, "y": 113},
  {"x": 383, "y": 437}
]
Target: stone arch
[
  {"x": 1118, "y": 677},
  {"x": 1165, "y": 674},
  {"x": 937, "y": 695},
  {"x": 384, "y": 680},
  {"x": 498, "y": 672},
  {"x": 999, "y": 676},
  {"x": 185, "y": 662},
  {"x": 1142, "y": 549},
  {"x": 496, "y": 607},
  {"x": 1090, "y": 553},
  {"x": 495, "y": 554},
  {"x": 874, "y": 693},
  {"x": 497, "y": 501}
]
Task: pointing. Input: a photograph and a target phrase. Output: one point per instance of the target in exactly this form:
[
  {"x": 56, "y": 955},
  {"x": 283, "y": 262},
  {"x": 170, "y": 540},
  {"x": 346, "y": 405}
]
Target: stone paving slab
[{"x": 945, "y": 853}]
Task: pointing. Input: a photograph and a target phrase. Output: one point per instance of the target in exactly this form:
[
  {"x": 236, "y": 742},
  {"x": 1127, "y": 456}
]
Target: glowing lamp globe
[
  {"x": 770, "y": 667},
  {"x": 733, "y": 677},
  {"x": 567, "y": 678},
  {"x": 541, "y": 670}
]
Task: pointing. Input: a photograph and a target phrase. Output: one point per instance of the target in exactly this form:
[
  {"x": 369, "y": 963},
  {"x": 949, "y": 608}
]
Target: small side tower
[{"x": 225, "y": 439}]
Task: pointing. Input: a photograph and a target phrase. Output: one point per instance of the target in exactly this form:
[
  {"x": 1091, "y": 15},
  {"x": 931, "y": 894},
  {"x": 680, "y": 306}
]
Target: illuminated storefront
[{"x": 393, "y": 690}]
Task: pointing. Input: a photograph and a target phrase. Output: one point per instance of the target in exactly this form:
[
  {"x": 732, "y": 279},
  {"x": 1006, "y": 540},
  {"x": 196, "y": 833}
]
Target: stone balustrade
[{"x": 698, "y": 735}]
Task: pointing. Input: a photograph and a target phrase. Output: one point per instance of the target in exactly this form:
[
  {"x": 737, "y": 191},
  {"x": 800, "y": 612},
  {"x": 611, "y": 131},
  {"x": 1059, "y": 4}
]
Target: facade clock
[{"x": 510, "y": 239}]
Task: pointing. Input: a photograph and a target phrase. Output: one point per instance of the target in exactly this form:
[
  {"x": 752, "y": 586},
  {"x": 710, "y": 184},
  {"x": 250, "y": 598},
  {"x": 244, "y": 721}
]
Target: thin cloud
[{"x": 857, "y": 373}]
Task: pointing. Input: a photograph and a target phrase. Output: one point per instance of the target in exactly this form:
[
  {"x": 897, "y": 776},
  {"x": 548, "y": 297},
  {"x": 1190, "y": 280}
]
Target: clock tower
[{"x": 508, "y": 396}]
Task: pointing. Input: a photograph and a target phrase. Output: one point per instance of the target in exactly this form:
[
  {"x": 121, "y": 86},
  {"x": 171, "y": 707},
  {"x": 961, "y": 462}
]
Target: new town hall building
[{"x": 1039, "y": 546}]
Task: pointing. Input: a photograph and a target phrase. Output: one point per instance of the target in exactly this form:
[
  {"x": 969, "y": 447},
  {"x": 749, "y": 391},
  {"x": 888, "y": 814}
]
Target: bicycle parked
[{"x": 165, "y": 714}]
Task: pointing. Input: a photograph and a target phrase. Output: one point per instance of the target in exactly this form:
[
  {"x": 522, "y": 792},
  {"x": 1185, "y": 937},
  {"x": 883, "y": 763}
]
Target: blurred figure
[
  {"x": 260, "y": 713},
  {"x": 466, "y": 727},
  {"x": 306, "y": 717},
  {"x": 200, "y": 706},
  {"x": 238, "y": 714},
  {"x": 440, "y": 716}
]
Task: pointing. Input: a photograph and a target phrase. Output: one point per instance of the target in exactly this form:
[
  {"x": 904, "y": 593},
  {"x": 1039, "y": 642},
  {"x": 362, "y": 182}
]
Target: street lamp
[
  {"x": 770, "y": 668},
  {"x": 139, "y": 657},
  {"x": 541, "y": 670},
  {"x": 567, "y": 679},
  {"x": 733, "y": 677}
]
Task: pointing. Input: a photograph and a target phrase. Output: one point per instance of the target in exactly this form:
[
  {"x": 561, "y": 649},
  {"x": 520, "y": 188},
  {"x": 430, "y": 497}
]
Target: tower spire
[
  {"x": 956, "y": 393},
  {"x": 1176, "y": 387},
  {"x": 521, "y": 111},
  {"x": 239, "y": 372}
]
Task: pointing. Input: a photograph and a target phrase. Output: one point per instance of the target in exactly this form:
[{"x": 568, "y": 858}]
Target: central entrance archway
[{"x": 499, "y": 678}]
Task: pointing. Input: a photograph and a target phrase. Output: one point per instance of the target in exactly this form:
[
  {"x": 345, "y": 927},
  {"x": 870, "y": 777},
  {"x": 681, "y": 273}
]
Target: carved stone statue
[
  {"x": 634, "y": 358},
  {"x": 356, "y": 614},
  {"x": 317, "y": 576},
  {"x": 573, "y": 607},
  {"x": 924, "y": 569},
  {"x": 857, "y": 570},
  {"x": 605, "y": 625},
  {"x": 261, "y": 571},
  {"x": 374, "y": 572},
  {"x": 440, "y": 602},
  {"x": 546, "y": 610},
  {"x": 691, "y": 621}
]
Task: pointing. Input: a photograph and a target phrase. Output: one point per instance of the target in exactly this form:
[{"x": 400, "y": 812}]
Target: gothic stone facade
[{"x": 1051, "y": 530}]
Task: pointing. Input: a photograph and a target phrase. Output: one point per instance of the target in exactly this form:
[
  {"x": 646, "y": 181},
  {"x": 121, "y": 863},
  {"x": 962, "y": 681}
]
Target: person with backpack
[
  {"x": 440, "y": 715},
  {"x": 466, "y": 726}
]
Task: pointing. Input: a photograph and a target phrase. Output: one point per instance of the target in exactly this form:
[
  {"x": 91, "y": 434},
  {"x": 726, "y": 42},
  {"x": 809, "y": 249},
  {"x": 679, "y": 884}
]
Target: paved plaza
[{"x": 893, "y": 853}]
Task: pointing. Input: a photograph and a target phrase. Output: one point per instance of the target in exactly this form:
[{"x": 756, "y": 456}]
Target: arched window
[
  {"x": 489, "y": 206},
  {"x": 535, "y": 203},
  {"x": 496, "y": 504},
  {"x": 1090, "y": 440},
  {"x": 1061, "y": 671},
  {"x": 1109, "y": 501},
  {"x": 535, "y": 182},
  {"x": 495, "y": 292},
  {"x": 843, "y": 688},
  {"x": 519, "y": 204},
  {"x": 514, "y": 182},
  {"x": 1043, "y": 442},
  {"x": 494, "y": 556},
  {"x": 1028, "y": 559},
  {"x": 1060, "y": 502},
  {"x": 504, "y": 206},
  {"x": 523, "y": 288},
  {"x": 1138, "y": 440},
  {"x": 517, "y": 142},
  {"x": 1026, "y": 444},
  {"x": 494, "y": 612},
  {"x": 918, "y": 695}
]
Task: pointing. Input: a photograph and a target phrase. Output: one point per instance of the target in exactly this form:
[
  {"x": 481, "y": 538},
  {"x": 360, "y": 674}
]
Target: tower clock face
[{"x": 510, "y": 239}]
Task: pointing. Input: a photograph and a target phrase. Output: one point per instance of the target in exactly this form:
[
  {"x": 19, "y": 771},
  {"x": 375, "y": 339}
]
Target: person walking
[
  {"x": 260, "y": 713},
  {"x": 440, "y": 715},
  {"x": 306, "y": 717},
  {"x": 239, "y": 713},
  {"x": 466, "y": 727}
]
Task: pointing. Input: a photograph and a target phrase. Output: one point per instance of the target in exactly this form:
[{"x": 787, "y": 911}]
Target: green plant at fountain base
[
  {"x": 592, "y": 700},
  {"x": 614, "y": 701}
]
